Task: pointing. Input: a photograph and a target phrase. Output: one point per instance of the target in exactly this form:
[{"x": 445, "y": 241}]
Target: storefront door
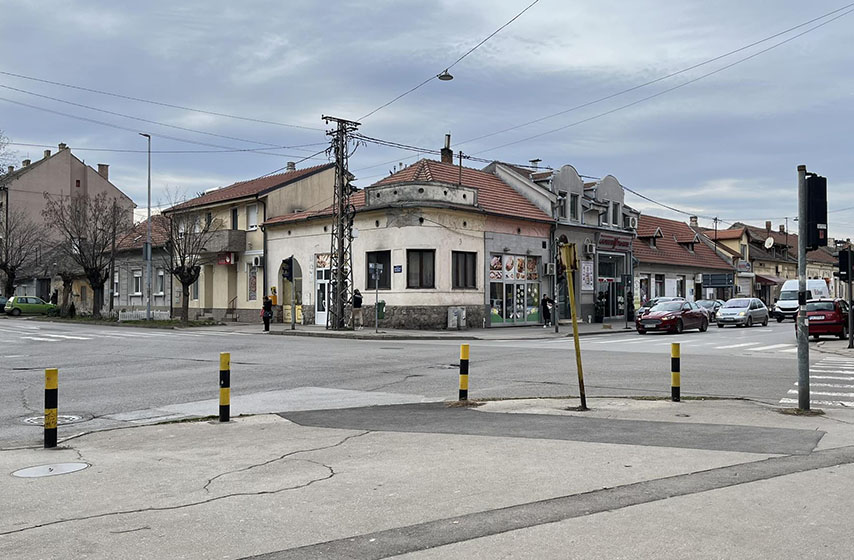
[
  {"x": 514, "y": 290},
  {"x": 322, "y": 274}
]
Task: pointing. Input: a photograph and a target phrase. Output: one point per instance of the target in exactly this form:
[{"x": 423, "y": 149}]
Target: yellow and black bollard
[
  {"x": 675, "y": 377},
  {"x": 224, "y": 386},
  {"x": 51, "y": 399},
  {"x": 464, "y": 372}
]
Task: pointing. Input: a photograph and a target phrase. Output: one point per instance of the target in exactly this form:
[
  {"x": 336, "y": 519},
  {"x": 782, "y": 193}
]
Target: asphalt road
[{"x": 109, "y": 374}]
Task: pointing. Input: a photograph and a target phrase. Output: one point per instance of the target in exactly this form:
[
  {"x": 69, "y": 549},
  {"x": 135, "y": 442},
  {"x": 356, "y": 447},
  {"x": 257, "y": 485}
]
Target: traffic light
[
  {"x": 288, "y": 269},
  {"x": 845, "y": 264},
  {"x": 816, "y": 212}
]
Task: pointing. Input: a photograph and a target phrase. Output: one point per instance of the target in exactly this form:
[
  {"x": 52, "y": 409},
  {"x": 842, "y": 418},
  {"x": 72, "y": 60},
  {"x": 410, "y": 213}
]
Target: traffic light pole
[
  {"x": 850, "y": 303},
  {"x": 803, "y": 335}
]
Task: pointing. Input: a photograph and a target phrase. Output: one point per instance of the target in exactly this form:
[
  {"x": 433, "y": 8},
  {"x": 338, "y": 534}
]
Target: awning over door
[{"x": 769, "y": 280}]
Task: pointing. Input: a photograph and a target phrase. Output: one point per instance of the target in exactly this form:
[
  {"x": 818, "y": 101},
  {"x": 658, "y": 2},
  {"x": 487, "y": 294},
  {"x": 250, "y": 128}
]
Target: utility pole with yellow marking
[{"x": 570, "y": 261}]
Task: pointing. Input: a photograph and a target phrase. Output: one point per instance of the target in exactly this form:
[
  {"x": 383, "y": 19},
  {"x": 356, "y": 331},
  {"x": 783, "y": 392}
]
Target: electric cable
[{"x": 123, "y": 150}]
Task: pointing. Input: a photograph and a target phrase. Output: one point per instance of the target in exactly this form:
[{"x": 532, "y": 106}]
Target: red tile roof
[
  {"x": 724, "y": 234},
  {"x": 667, "y": 249},
  {"x": 252, "y": 187},
  {"x": 135, "y": 238},
  {"x": 493, "y": 195}
]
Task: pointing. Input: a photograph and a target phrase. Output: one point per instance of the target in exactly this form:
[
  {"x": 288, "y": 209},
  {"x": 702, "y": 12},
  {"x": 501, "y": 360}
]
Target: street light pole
[
  {"x": 148, "y": 237},
  {"x": 803, "y": 335}
]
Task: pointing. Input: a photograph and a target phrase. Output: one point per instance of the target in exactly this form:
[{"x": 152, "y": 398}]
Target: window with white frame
[
  {"x": 161, "y": 281},
  {"x": 137, "y": 282},
  {"x": 252, "y": 217},
  {"x": 561, "y": 204},
  {"x": 116, "y": 284}
]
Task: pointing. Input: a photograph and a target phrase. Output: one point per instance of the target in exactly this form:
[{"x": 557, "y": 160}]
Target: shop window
[
  {"x": 463, "y": 270},
  {"x": 420, "y": 268},
  {"x": 382, "y": 258},
  {"x": 659, "y": 285}
]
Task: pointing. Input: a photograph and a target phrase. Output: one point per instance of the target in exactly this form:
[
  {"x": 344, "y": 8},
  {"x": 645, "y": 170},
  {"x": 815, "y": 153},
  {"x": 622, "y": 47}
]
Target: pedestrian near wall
[
  {"x": 546, "y": 305},
  {"x": 357, "y": 310},
  {"x": 267, "y": 313}
]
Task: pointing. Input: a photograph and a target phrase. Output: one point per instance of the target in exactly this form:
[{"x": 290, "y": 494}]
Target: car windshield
[
  {"x": 819, "y": 306},
  {"x": 668, "y": 306},
  {"x": 706, "y": 303},
  {"x": 737, "y": 303},
  {"x": 792, "y": 294}
]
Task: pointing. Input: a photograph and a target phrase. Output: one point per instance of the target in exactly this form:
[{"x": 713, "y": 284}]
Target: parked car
[
  {"x": 27, "y": 304},
  {"x": 827, "y": 316},
  {"x": 3, "y": 301},
  {"x": 711, "y": 306},
  {"x": 646, "y": 306},
  {"x": 743, "y": 312},
  {"x": 673, "y": 316},
  {"x": 786, "y": 306}
]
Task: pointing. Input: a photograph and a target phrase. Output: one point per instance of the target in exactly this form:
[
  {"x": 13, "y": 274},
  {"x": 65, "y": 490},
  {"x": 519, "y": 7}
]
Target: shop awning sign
[{"x": 615, "y": 242}]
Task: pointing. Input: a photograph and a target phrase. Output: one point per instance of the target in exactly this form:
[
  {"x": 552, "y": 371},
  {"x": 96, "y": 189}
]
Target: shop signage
[
  {"x": 587, "y": 276},
  {"x": 226, "y": 258},
  {"x": 398, "y": 268},
  {"x": 614, "y": 242},
  {"x": 718, "y": 280},
  {"x": 743, "y": 266}
]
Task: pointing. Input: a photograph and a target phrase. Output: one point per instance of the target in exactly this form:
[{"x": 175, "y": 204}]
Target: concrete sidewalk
[{"x": 509, "y": 479}]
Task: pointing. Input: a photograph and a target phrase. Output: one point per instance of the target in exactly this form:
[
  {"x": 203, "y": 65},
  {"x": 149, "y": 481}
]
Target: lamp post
[{"x": 148, "y": 237}]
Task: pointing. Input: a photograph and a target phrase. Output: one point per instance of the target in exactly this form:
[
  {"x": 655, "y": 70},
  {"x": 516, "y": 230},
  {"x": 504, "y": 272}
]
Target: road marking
[
  {"x": 824, "y": 394},
  {"x": 40, "y": 339},
  {"x": 69, "y": 337},
  {"x": 772, "y": 347},
  {"x": 830, "y": 385},
  {"x": 736, "y": 345},
  {"x": 838, "y": 378},
  {"x": 847, "y": 404},
  {"x": 609, "y": 341},
  {"x": 790, "y": 350}
]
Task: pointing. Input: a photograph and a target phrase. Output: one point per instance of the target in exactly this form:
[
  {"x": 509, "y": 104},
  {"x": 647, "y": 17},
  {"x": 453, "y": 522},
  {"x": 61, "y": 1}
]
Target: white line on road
[
  {"x": 736, "y": 345},
  {"x": 790, "y": 350},
  {"x": 837, "y": 377},
  {"x": 848, "y": 404},
  {"x": 69, "y": 337},
  {"x": 824, "y": 394},
  {"x": 40, "y": 339},
  {"x": 830, "y": 385},
  {"x": 772, "y": 347}
]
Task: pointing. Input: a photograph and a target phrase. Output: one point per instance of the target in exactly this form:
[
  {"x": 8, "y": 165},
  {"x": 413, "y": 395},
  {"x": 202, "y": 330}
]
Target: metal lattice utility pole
[{"x": 341, "y": 255}]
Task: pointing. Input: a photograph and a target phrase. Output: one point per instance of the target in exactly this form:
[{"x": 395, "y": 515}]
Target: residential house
[
  {"x": 130, "y": 276},
  {"x": 235, "y": 275},
  {"x": 593, "y": 216},
  {"x": 58, "y": 174},
  {"x": 446, "y": 237},
  {"x": 673, "y": 260}
]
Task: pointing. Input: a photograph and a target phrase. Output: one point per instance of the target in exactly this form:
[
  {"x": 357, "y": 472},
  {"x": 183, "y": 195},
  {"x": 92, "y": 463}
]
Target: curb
[{"x": 392, "y": 336}]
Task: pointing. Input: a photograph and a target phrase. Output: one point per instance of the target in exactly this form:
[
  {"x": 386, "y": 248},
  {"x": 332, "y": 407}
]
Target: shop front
[
  {"x": 514, "y": 289},
  {"x": 613, "y": 273}
]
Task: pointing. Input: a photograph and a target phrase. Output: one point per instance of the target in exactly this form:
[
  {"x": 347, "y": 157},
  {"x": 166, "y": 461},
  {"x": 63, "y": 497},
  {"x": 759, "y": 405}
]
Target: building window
[
  {"x": 252, "y": 283},
  {"x": 208, "y": 220},
  {"x": 116, "y": 284},
  {"x": 743, "y": 251},
  {"x": 659, "y": 285},
  {"x": 194, "y": 290},
  {"x": 161, "y": 281},
  {"x": 252, "y": 217},
  {"x": 420, "y": 268},
  {"x": 615, "y": 213},
  {"x": 83, "y": 295},
  {"x": 463, "y": 270},
  {"x": 573, "y": 207},
  {"x": 652, "y": 242},
  {"x": 234, "y": 215},
  {"x": 561, "y": 204},
  {"x": 382, "y": 258},
  {"x": 137, "y": 282}
]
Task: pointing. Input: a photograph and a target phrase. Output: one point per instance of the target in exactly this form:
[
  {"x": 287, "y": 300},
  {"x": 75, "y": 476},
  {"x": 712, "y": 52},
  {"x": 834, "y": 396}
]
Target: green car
[{"x": 27, "y": 304}]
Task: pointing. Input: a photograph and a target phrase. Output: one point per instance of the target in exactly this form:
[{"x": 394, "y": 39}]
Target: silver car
[{"x": 743, "y": 312}]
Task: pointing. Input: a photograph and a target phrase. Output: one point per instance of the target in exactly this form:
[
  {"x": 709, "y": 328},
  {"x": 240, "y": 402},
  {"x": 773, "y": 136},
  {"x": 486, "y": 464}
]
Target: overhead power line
[
  {"x": 162, "y": 104},
  {"x": 471, "y": 50},
  {"x": 226, "y": 151}
]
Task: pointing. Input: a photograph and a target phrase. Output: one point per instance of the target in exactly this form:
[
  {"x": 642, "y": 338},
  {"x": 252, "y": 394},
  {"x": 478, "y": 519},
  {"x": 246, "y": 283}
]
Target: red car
[
  {"x": 827, "y": 316},
  {"x": 673, "y": 316}
]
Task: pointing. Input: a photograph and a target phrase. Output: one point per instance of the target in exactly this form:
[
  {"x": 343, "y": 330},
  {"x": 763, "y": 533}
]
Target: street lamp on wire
[{"x": 148, "y": 237}]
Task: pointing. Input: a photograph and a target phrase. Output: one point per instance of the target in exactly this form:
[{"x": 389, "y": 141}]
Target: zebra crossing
[
  {"x": 705, "y": 343},
  {"x": 831, "y": 384},
  {"x": 24, "y": 334}
]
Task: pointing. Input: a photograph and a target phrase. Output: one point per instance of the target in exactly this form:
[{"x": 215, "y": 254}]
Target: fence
[{"x": 139, "y": 315}]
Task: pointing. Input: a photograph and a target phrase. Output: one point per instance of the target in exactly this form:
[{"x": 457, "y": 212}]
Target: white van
[{"x": 787, "y": 306}]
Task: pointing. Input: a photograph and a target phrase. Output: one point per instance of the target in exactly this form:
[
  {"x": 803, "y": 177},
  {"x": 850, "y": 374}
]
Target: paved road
[{"x": 114, "y": 375}]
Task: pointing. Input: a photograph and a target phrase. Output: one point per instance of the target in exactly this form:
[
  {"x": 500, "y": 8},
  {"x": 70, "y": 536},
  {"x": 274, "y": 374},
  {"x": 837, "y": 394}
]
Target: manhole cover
[
  {"x": 50, "y": 470},
  {"x": 61, "y": 419}
]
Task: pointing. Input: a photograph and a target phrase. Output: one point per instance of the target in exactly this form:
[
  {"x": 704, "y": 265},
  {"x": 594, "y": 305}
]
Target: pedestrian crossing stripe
[
  {"x": 845, "y": 404},
  {"x": 823, "y": 393}
]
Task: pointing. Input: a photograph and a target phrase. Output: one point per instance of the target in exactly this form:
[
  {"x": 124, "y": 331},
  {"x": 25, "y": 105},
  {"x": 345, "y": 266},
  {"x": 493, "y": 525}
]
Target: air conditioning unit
[
  {"x": 258, "y": 260},
  {"x": 590, "y": 248},
  {"x": 633, "y": 222},
  {"x": 550, "y": 269}
]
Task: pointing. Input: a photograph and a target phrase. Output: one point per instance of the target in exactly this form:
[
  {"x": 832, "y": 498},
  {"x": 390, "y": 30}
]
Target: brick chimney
[
  {"x": 26, "y": 163},
  {"x": 63, "y": 146},
  {"x": 11, "y": 168},
  {"x": 447, "y": 154},
  {"x": 768, "y": 226},
  {"x": 782, "y": 228},
  {"x": 46, "y": 154},
  {"x": 693, "y": 221},
  {"x": 104, "y": 171},
  {"x": 291, "y": 166}
]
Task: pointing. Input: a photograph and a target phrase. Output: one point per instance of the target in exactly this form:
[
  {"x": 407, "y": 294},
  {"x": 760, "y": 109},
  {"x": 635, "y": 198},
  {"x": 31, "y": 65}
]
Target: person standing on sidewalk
[
  {"x": 357, "y": 310},
  {"x": 546, "y": 305},
  {"x": 267, "y": 313}
]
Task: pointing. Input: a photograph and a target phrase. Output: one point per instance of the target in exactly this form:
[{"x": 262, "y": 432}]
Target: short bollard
[
  {"x": 464, "y": 372},
  {"x": 224, "y": 386},
  {"x": 51, "y": 398},
  {"x": 675, "y": 378}
]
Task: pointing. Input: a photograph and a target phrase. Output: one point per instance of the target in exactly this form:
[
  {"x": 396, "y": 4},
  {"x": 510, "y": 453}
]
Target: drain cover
[
  {"x": 61, "y": 419},
  {"x": 50, "y": 470}
]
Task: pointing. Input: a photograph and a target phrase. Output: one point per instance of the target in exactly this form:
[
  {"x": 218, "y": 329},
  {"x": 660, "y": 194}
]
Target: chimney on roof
[
  {"x": 104, "y": 171},
  {"x": 782, "y": 228},
  {"x": 291, "y": 166},
  {"x": 535, "y": 163},
  {"x": 63, "y": 146},
  {"x": 447, "y": 154},
  {"x": 46, "y": 154},
  {"x": 11, "y": 168},
  {"x": 26, "y": 163},
  {"x": 768, "y": 226},
  {"x": 693, "y": 221}
]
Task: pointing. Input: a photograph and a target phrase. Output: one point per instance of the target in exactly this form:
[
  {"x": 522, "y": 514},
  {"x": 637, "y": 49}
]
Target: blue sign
[{"x": 398, "y": 268}]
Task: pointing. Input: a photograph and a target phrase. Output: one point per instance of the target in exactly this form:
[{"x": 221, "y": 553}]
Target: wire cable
[
  {"x": 120, "y": 150},
  {"x": 431, "y": 78},
  {"x": 162, "y": 104}
]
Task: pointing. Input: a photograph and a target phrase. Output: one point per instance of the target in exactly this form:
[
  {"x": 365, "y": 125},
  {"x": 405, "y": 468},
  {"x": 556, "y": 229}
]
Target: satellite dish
[{"x": 769, "y": 242}]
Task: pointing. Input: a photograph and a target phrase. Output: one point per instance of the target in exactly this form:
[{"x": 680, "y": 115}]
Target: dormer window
[{"x": 652, "y": 242}]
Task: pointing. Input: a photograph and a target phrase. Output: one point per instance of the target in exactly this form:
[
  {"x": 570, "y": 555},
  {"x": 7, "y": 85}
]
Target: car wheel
[
  {"x": 765, "y": 322},
  {"x": 704, "y": 326},
  {"x": 750, "y": 321},
  {"x": 15, "y": 312},
  {"x": 641, "y": 331},
  {"x": 720, "y": 325},
  {"x": 679, "y": 327},
  {"x": 815, "y": 337},
  {"x": 843, "y": 334},
  {"x": 780, "y": 319}
]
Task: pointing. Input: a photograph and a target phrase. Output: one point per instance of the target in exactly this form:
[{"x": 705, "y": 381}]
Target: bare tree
[
  {"x": 87, "y": 226},
  {"x": 189, "y": 235},
  {"x": 7, "y": 156},
  {"x": 20, "y": 247}
]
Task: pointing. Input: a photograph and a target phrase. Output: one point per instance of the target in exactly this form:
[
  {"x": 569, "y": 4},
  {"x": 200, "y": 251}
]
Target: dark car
[
  {"x": 711, "y": 306},
  {"x": 827, "y": 316},
  {"x": 673, "y": 316},
  {"x": 3, "y": 301},
  {"x": 647, "y": 305}
]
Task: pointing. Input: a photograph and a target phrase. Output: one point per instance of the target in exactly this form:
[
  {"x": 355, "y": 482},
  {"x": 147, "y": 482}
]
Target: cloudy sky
[{"x": 725, "y": 145}]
